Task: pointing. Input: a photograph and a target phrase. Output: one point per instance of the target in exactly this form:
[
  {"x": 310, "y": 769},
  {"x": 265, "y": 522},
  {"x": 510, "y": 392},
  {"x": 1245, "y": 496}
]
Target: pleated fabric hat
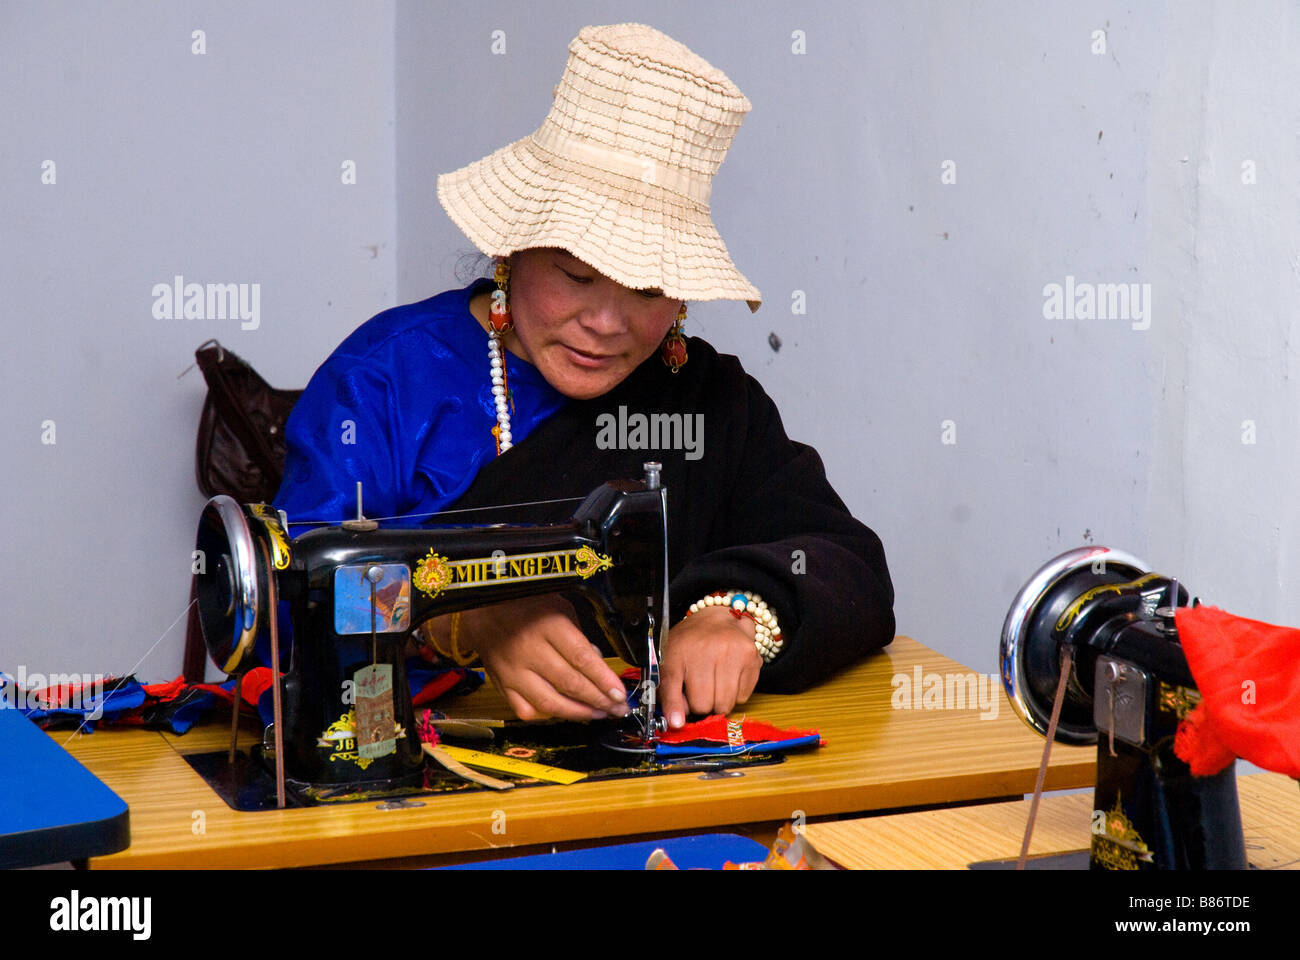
[{"x": 620, "y": 171}]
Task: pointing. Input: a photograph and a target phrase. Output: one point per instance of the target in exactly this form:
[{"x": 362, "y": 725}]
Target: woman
[{"x": 505, "y": 393}]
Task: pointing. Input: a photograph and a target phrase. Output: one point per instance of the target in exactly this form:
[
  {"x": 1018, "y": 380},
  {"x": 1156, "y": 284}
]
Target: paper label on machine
[{"x": 374, "y": 711}]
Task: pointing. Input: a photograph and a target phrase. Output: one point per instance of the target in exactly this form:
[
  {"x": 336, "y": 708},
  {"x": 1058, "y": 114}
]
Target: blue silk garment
[{"x": 405, "y": 406}]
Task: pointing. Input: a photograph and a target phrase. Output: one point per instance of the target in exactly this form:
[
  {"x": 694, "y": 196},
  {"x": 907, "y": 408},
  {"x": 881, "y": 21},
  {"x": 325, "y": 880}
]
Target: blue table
[{"x": 52, "y": 808}]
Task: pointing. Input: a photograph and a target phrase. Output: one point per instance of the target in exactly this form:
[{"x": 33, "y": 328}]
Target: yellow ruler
[
  {"x": 520, "y": 768},
  {"x": 455, "y": 766}
]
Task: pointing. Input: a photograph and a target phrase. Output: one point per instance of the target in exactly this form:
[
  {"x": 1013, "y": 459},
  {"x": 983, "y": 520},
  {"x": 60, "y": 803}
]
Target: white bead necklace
[{"x": 500, "y": 392}]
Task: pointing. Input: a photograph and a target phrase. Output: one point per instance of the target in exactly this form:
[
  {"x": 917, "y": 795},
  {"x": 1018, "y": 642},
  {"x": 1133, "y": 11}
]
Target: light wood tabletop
[
  {"x": 875, "y": 757},
  {"x": 952, "y": 839}
]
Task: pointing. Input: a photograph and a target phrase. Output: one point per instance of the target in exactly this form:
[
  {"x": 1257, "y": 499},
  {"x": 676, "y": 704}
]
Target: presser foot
[
  {"x": 638, "y": 734},
  {"x": 629, "y": 740},
  {"x": 641, "y": 731}
]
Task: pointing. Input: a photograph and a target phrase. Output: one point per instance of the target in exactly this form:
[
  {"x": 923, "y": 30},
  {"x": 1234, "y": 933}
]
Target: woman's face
[{"x": 581, "y": 330}]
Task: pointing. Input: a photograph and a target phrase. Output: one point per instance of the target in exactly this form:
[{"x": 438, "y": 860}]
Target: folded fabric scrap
[
  {"x": 1248, "y": 675},
  {"x": 791, "y": 851},
  {"x": 718, "y": 736},
  {"x": 176, "y": 706},
  {"x": 109, "y": 702}
]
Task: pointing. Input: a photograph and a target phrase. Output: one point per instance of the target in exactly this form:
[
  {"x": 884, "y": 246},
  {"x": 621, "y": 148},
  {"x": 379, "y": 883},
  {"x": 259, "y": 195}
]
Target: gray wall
[
  {"x": 925, "y": 299},
  {"x": 222, "y": 167}
]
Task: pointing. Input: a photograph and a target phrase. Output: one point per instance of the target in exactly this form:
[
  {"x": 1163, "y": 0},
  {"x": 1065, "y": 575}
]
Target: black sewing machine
[
  {"x": 354, "y": 592},
  {"x": 1111, "y": 621}
]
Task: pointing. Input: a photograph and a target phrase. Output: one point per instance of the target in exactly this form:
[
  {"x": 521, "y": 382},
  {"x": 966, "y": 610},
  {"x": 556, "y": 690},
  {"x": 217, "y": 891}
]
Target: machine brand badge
[
  {"x": 1117, "y": 846},
  {"x": 435, "y": 573},
  {"x": 374, "y": 711},
  {"x": 340, "y": 738}
]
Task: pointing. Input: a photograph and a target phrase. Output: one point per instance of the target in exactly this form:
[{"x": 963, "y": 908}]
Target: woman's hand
[
  {"x": 541, "y": 661},
  {"x": 712, "y": 654}
]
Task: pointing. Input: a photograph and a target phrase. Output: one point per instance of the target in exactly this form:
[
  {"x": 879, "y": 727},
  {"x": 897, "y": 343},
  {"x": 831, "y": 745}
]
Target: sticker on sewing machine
[
  {"x": 352, "y": 599},
  {"x": 435, "y": 573},
  {"x": 374, "y": 706}
]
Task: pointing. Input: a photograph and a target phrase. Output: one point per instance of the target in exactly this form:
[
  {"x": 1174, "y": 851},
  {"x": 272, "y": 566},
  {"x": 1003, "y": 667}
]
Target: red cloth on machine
[
  {"x": 717, "y": 729},
  {"x": 1248, "y": 674}
]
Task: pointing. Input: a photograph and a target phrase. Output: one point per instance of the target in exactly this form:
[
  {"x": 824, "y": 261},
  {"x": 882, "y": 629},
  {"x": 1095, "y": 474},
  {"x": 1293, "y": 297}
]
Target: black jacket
[{"x": 749, "y": 513}]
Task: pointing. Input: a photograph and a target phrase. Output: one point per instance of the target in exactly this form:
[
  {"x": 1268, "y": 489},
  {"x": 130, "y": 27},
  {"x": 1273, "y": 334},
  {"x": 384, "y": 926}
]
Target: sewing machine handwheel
[
  {"x": 1029, "y": 657},
  {"x": 231, "y": 583}
]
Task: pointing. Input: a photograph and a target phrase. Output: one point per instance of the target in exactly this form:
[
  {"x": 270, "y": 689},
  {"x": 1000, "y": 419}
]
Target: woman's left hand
[{"x": 709, "y": 661}]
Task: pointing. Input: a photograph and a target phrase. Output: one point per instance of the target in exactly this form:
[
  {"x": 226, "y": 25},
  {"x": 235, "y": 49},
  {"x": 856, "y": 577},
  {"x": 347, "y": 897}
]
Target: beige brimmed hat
[{"x": 620, "y": 171}]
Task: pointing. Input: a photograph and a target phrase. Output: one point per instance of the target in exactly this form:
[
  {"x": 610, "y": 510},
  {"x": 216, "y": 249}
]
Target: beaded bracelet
[{"x": 767, "y": 631}]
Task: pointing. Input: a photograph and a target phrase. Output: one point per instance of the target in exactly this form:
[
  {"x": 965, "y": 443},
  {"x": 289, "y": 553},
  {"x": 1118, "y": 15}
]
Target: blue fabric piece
[
  {"x": 726, "y": 749},
  {"x": 708, "y": 852},
  {"x": 405, "y": 406},
  {"x": 265, "y": 705},
  {"x": 190, "y": 712}
]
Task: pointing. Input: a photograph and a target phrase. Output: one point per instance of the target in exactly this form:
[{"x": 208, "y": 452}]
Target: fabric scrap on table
[
  {"x": 175, "y": 706},
  {"x": 716, "y": 735}
]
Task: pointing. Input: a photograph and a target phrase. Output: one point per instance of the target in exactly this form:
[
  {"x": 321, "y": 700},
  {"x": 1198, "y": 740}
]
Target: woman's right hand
[{"x": 541, "y": 661}]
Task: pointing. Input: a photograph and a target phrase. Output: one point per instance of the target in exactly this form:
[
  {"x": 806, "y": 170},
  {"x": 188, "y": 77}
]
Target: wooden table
[
  {"x": 953, "y": 839},
  {"x": 875, "y": 758}
]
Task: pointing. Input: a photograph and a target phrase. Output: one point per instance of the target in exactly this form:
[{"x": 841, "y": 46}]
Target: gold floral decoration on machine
[
  {"x": 589, "y": 561},
  {"x": 1119, "y": 847},
  {"x": 432, "y": 574},
  {"x": 1072, "y": 611}
]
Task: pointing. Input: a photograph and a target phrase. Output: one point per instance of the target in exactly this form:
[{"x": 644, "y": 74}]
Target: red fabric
[
  {"x": 714, "y": 730},
  {"x": 256, "y": 682},
  {"x": 166, "y": 691},
  {"x": 436, "y": 687},
  {"x": 1199, "y": 747},
  {"x": 64, "y": 694},
  {"x": 424, "y": 725},
  {"x": 1248, "y": 674}
]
